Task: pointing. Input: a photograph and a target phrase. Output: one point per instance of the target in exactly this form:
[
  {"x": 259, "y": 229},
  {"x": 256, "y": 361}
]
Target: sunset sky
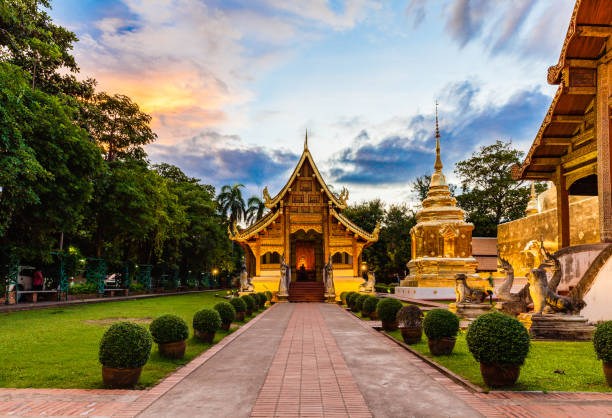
[{"x": 232, "y": 85}]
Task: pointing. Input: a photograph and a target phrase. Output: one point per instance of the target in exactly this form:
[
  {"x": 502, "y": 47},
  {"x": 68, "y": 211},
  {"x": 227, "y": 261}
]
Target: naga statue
[
  {"x": 285, "y": 278},
  {"x": 328, "y": 279},
  {"x": 511, "y": 303},
  {"x": 465, "y": 294},
  {"x": 245, "y": 281},
  {"x": 368, "y": 285},
  {"x": 546, "y": 299}
]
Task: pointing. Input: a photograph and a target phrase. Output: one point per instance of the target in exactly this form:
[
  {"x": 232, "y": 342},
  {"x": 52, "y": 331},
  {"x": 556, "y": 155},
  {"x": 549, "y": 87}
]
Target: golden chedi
[{"x": 441, "y": 239}]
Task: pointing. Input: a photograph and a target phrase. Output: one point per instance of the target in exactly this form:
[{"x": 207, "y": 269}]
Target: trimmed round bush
[
  {"x": 207, "y": 320},
  {"x": 269, "y": 295},
  {"x": 125, "y": 345},
  {"x": 262, "y": 299},
  {"x": 169, "y": 329},
  {"x": 239, "y": 304},
  {"x": 249, "y": 300},
  {"x": 369, "y": 304},
  {"x": 350, "y": 297},
  {"x": 495, "y": 338},
  {"x": 226, "y": 311},
  {"x": 602, "y": 341},
  {"x": 358, "y": 302},
  {"x": 387, "y": 309},
  {"x": 409, "y": 316},
  {"x": 343, "y": 297},
  {"x": 440, "y": 323}
]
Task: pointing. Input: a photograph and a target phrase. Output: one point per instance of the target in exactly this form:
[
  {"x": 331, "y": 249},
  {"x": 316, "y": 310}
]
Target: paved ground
[{"x": 304, "y": 360}]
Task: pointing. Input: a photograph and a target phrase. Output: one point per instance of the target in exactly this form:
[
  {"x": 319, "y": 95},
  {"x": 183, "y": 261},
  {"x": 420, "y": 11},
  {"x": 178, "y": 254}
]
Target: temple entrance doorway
[{"x": 307, "y": 256}]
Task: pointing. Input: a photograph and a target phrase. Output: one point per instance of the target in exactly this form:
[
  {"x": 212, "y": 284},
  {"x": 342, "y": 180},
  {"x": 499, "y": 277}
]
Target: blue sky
[{"x": 233, "y": 85}]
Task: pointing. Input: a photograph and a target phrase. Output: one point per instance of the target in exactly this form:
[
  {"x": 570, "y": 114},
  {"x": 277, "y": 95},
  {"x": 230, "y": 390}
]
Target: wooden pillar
[
  {"x": 258, "y": 258},
  {"x": 602, "y": 135},
  {"x": 326, "y": 229},
  {"x": 563, "y": 226},
  {"x": 355, "y": 258},
  {"x": 247, "y": 259}
]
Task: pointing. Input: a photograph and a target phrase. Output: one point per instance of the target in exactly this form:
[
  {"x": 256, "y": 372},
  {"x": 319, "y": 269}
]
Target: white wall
[{"x": 599, "y": 297}]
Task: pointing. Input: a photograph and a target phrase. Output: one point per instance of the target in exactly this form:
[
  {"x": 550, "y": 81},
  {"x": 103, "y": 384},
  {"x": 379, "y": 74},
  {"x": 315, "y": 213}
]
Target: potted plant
[
  {"x": 387, "y": 312},
  {"x": 124, "y": 349},
  {"x": 170, "y": 333},
  {"x": 269, "y": 297},
  {"x": 441, "y": 327},
  {"x": 262, "y": 299},
  {"x": 250, "y": 304},
  {"x": 227, "y": 314},
  {"x": 410, "y": 322},
  {"x": 206, "y": 323},
  {"x": 500, "y": 343},
  {"x": 602, "y": 340},
  {"x": 358, "y": 303},
  {"x": 240, "y": 306},
  {"x": 368, "y": 306}
]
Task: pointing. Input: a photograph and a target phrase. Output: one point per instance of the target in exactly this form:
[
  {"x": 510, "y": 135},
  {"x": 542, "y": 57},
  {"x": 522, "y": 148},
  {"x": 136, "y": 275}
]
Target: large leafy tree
[
  {"x": 231, "y": 203},
  {"x": 488, "y": 193},
  {"x": 255, "y": 210}
]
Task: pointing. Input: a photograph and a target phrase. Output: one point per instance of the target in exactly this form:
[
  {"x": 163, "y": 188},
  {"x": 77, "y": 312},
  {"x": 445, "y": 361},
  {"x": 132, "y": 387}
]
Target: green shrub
[
  {"x": 269, "y": 296},
  {"x": 83, "y": 289},
  {"x": 125, "y": 345},
  {"x": 381, "y": 287},
  {"x": 239, "y": 304},
  {"x": 387, "y": 309},
  {"x": 226, "y": 311},
  {"x": 409, "y": 316},
  {"x": 495, "y": 338},
  {"x": 440, "y": 323},
  {"x": 343, "y": 297},
  {"x": 369, "y": 304},
  {"x": 137, "y": 287},
  {"x": 262, "y": 299},
  {"x": 249, "y": 300},
  {"x": 207, "y": 320},
  {"x": 350, "y": 298},
  {"x": 358, "y": 303},
  {"x": 602, "y": 340},
  {"x": 169, "y": 329}
]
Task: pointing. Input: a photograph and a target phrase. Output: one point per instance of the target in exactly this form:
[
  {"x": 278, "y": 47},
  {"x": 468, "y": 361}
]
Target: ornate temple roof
[{"x": 575, "y": 73}]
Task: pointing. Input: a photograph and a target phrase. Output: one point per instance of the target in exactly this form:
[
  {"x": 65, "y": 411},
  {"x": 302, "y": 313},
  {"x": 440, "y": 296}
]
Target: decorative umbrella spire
[{"x": 438, "y": 165}]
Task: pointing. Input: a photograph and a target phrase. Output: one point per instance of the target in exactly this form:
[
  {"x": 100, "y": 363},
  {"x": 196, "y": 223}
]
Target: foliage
[
  {"x": 440, "y": 323},
  {"x": 239, "y": 304},
  {"x": 83, "y": 289},
  {"x": 387, "y": 309},
  {"x": 602, "y": 341},
  {"x": 137, "y": 287},
  {"x": 226, "y": 312},
  {"x": 125, "y": 345},
  {"x": 369, "y": 304},
  {"x": 409, "y": 316},
  {"x": 262, "y": 299},
  {"x": 350, "y": 297},
  {"x": 268, "y": 295},
  {"x": 231, "y": 203},
  {"x": 168, "y": 329},
  {"x": 358, "y": 302},
  {"x": 495, "y": 338},
  {"x": 256, "y": 209},
  {"x": 343, "y": 297},
  {"x": 489, "y": 195},
  {"x": 207, "y": 320},
  {"x": 249, "y": 301}
]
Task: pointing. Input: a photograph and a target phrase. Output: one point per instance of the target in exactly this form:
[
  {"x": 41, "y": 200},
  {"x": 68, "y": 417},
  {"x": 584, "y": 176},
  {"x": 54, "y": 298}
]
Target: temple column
[
  {"x": 602, "y": 134},
  {"x": 326, "y": 228},
  {"x": 355, "y": 258},
  {"x": 563, "y": 227},
  {"x": 257, "y": 259}
]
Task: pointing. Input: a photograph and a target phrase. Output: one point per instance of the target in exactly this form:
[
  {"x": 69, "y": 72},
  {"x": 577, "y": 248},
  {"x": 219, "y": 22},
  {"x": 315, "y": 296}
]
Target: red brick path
[{"x": 308, "y": 376}]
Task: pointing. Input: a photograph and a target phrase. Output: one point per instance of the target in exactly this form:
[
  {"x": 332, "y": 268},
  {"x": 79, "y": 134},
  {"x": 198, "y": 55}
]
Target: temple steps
[{"x": 306, "y": 292}]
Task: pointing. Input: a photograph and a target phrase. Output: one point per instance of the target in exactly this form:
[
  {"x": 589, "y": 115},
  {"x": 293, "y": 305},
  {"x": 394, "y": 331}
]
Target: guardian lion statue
[
  {"x": 368, "y": 286},
  {"x": 465, "y": 294},
  {"x": 544, "y": 299},
  {"x": 245, "y": 281}
]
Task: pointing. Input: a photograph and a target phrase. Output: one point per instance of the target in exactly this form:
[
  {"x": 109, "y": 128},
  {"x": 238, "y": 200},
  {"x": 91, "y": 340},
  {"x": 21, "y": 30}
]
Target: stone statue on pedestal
[
  {"x": 368, "y": 286},
  {"x": 511, "y": 303},
  {"x": 469, "y": 302},
  {"x": 328, "y": 279},
  {"x": 544, "y": 298},
  {"x": 285, "y": 279},
  {"x": 245, "y": 281}
]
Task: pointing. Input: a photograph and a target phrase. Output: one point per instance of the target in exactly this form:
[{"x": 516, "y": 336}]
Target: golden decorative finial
[
  {"x": 306, "y": 140},
  {"x": 438, "y": 165}
]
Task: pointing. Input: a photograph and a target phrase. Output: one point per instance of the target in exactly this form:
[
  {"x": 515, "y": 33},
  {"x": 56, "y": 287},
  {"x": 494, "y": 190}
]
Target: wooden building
[{"x": 305, "y": 225}]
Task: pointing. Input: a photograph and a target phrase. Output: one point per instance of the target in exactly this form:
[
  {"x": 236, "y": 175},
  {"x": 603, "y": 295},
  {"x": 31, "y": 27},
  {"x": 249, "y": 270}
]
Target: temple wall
[
  {"x": 598, "y": 306},
  {"x": 512, "y": 237}
]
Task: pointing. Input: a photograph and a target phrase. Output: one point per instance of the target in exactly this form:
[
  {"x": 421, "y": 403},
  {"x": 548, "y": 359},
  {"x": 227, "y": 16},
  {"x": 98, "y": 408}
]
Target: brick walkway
[{"x": 309, "y": 376}]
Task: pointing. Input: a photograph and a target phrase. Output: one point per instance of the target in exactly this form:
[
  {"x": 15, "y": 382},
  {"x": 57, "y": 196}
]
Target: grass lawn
[
  {"x": 583, "y": 372},
  {"x": 56, "y": 348}
]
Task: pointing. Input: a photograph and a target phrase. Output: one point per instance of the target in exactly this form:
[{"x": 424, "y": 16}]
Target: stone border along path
[{"x": 303, "y": 360}]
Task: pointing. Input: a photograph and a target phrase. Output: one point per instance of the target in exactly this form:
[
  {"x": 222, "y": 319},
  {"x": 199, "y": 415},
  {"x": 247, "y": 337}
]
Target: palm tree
[
  {"x": 231, "y": 202},
  {"x": 256, "y": 209}
]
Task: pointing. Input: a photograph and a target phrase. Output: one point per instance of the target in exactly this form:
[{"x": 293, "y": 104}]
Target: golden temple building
[
  {"x": 305, "y": 225},
  {"x": 573, "y": 150},
  {"x": 441, "y": 239}
]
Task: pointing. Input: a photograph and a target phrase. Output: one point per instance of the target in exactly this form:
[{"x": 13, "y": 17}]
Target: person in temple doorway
[{"x": 302, "y": 275}]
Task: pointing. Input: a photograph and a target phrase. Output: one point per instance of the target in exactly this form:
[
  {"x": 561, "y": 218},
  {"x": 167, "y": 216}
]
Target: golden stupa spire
[
  {"x": 306, "y": 140},
  {"x": 532, "y": 206},
  {"x": 438, "y": 165}
]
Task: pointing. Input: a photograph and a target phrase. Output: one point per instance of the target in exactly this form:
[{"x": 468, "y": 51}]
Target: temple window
[
  {"x": 270, "y": 258},
  {"x": 342, "y": 258}
]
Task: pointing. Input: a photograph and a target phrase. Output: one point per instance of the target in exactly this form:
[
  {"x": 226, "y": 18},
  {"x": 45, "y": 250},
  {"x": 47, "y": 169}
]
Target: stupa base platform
[
  {"x": 470, "y": 310},
  {"x": 426, "y": 293},
  {"x": 557, "y": 327}
]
